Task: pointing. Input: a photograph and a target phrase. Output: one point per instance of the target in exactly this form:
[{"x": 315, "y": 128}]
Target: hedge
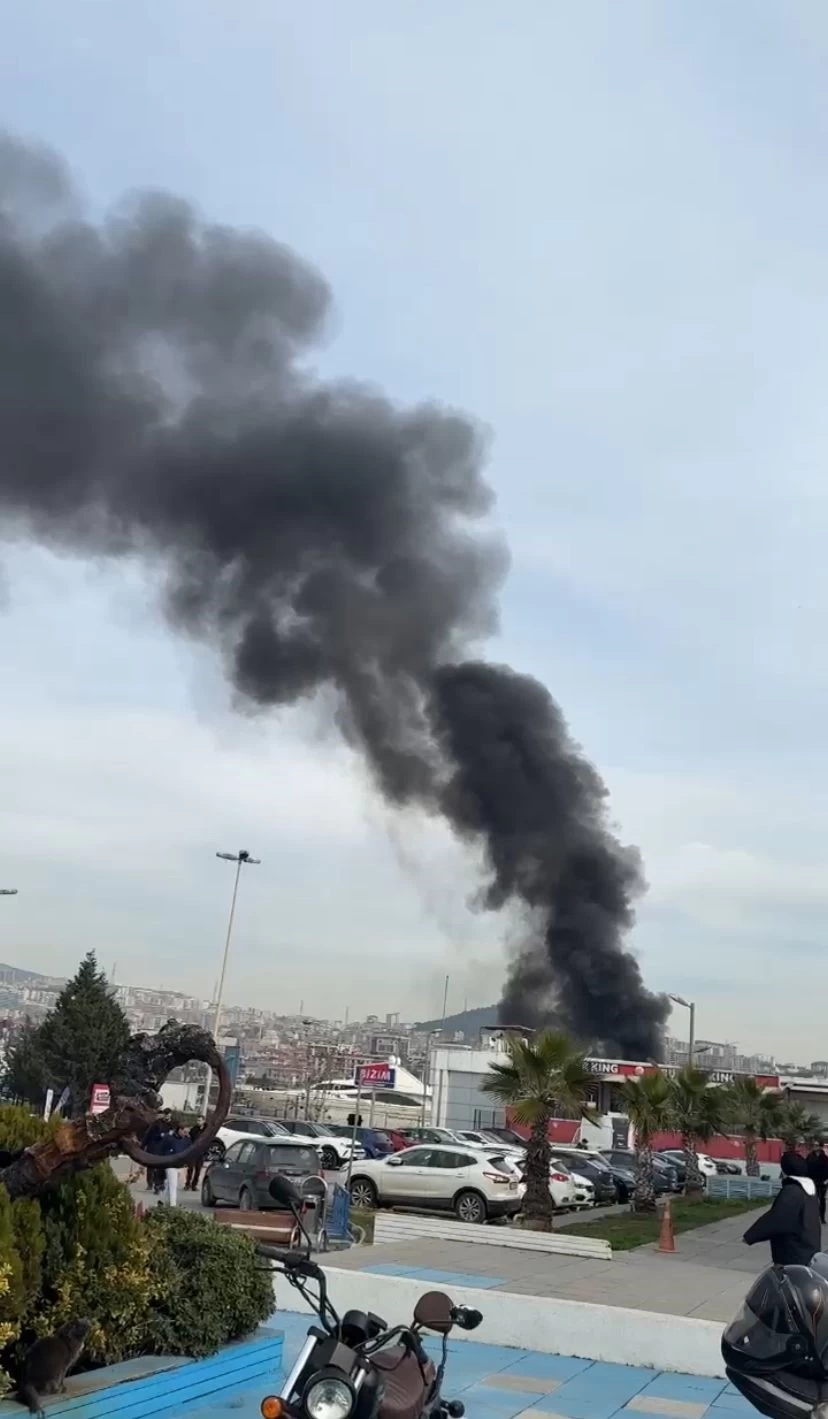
[{"x": 170, "y": 1283}]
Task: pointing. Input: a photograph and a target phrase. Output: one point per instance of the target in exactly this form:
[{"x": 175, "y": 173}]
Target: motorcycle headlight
[{"x": 329, "y": 1398}]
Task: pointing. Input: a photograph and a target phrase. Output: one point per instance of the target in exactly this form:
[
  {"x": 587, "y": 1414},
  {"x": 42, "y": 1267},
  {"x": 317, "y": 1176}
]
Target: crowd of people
[{"x": 166, "y": 1137}]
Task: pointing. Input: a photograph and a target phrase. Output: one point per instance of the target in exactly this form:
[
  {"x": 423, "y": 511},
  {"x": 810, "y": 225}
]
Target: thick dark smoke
[{"x": 154, "y": 404}]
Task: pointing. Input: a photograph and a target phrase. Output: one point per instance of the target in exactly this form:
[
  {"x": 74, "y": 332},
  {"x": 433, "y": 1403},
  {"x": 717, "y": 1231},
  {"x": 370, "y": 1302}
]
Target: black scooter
[{"x": 357, "y": 1367}]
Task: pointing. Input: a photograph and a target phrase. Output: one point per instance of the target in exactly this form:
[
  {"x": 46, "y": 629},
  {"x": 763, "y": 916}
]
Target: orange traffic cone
[{"x": 666, "y": 1236}]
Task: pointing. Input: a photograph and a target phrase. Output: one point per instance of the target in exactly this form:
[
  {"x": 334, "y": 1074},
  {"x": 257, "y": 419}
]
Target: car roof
[{"x": 290, "y": 1140}]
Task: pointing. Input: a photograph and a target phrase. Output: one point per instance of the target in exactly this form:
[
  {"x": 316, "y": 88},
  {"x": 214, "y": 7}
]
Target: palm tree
[
  {"x": 798, "y": 1126},
  {"x": 759, "y": 1115},
  {"x": 544, "y": 1076},
  {"x": 648, "y": 1105},
  {"x": 698, "y": 1112}
]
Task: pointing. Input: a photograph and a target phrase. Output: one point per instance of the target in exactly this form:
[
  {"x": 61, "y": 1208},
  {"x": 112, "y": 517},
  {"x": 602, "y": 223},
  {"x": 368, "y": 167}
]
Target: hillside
[{"x": 468, "y": 1023}]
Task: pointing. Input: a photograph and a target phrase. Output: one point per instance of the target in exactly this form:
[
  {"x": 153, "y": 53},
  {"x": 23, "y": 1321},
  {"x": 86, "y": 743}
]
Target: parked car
[
  {"x": 729, "y": 1166},
  {"x": 374, "y": 1142},
  {"x": 561, "y": 1188},
  {"x": 442, "y": 1178},
  {"x": 507, "y": 1136},
  {"x": 665, "y": 1177},
  {"x": 584, "y": 1197},
  {"x": 333, "y": 1151},
  {"x": 398, "y": 1139},
  {"x": 676, "y": 1161},
  {"x": 242, "y": 1177},
  {"x": 476, "y": 1137},
  {"x": 237, "y": 1127},
  {"x": 432, "y": 1135},
  {"x": 675, "y": 1156},
  {"x": 597, "y": 1171}
]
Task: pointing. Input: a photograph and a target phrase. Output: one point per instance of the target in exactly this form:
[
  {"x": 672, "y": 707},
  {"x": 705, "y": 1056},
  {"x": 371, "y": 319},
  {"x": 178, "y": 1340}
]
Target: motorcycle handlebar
[
  {"x": 290, "y": 1260},
  {"x": 466, "y": 1317}
]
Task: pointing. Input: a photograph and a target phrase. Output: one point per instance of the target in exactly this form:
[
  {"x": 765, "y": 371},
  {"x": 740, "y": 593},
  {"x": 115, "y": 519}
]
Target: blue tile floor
[{"x": 496, "y": 1382}]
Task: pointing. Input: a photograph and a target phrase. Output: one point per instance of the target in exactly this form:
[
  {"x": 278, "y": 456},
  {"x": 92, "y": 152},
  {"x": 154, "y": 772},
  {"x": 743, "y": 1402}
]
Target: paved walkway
[
  {"x": 707, "y": 1277},
  {"x": 496, "y": 1382}
]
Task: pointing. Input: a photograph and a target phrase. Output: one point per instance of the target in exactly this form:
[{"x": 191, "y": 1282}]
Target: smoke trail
[{"x": 153, "y": 404}]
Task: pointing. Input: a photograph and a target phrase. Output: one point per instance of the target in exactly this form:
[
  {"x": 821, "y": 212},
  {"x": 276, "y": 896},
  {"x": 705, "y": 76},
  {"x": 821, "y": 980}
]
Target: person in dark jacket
[
  {"x": 176, "y": 1141},
  {"x": 791, "y": 1224},
  {"x": 194, "y": 1170},
  {"x": 151, "y": 1143},
  {"x": 817, "y": 1165}
]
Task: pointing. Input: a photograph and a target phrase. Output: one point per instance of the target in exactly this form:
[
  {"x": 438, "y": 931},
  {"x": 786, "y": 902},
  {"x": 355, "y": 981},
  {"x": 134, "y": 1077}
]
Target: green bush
[
  {"x": 210, "y": 1288},
  {"x": 96, "y": 1264},
  {"x": 173, "y": 1283}
]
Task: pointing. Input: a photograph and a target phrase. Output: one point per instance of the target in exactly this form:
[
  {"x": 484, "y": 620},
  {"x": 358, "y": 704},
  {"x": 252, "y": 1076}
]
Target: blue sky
[{"x": 599, "y": 229}]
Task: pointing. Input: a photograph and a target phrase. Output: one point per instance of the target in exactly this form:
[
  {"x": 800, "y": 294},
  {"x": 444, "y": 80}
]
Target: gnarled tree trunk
[{"x": 135, "y": 1104}]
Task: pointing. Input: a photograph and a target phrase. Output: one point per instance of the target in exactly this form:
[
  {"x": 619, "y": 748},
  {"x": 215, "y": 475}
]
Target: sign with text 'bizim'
[{"x": 376, "y": 1075}]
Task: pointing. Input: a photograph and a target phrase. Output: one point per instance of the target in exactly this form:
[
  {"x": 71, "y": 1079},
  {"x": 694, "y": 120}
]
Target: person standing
[
  {"x": 791, "y": 1224},
  {"x": 177, "y": 1141},
  {"x": 817, "y": 1165},
  {"x": 194, "y": 1170},
  {"x": 152, "y": 1142}
]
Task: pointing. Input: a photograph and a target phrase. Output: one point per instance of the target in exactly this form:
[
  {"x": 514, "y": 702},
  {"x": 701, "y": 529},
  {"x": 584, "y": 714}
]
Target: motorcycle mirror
[
  {"x": 283, "y": 1190},
  {"x": 433, "y": 1312}
]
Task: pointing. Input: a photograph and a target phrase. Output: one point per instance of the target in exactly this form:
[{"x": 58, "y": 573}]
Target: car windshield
[
  {"x": 558, "y": 1165},
  {"x": 283, "y": 1158}
]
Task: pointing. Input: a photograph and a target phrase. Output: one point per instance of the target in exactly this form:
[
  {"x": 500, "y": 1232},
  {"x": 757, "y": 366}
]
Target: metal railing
[{"x": 730, "y": 1187}]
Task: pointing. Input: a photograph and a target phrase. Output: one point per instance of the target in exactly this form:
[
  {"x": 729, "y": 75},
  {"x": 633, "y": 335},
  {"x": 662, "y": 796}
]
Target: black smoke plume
[{"x": 154, "y": 404}]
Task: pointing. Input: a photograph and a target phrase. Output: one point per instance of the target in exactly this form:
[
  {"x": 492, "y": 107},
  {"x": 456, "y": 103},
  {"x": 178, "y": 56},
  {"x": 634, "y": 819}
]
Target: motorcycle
[{"x": 356, "y": 1366}]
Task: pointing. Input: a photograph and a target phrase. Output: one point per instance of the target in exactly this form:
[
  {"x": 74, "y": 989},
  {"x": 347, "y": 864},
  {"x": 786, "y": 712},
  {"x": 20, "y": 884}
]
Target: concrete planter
[{"x": 157, "y": 1384}]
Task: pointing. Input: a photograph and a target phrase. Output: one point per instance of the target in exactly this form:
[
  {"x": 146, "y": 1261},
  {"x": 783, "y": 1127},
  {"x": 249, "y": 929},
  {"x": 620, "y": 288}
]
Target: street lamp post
[
  {"x": 691, "y": 1006},
  {"x": 241, "y": 859}
]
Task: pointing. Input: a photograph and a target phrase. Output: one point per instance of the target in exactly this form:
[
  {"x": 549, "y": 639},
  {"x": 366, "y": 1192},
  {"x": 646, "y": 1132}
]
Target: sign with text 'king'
[{"x": 376, "y": 1076}]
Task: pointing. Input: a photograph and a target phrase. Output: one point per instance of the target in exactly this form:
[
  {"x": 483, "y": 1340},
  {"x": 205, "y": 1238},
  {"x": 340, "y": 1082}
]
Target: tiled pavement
[
  {"x": 706, "y": 1278},
  {"x": 496, "y": 1382}
]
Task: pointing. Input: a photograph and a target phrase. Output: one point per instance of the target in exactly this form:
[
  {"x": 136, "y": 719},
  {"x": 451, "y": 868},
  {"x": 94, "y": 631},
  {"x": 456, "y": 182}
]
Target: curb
[{"x": 612, "y": 1334}]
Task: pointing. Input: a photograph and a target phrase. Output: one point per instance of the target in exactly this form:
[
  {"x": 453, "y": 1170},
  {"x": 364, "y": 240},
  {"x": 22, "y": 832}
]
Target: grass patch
[
  {"x": 626, "y": 1230},
  {"x": 365, "y": 1221}
]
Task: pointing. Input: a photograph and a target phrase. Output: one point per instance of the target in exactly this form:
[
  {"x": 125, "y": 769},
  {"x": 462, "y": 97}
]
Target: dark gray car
[{"x": 242, "y": 1177}]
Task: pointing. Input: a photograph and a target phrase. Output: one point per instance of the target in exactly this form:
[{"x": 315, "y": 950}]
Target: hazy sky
[{"x": 602, "y": 230}]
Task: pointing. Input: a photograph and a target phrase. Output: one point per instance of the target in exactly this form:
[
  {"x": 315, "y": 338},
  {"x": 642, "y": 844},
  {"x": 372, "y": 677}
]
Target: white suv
[
  {"x": 440, "y": 1177},
  {"x": 333, "y": 1150},
  {"x": 237, "y": 1128}
]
